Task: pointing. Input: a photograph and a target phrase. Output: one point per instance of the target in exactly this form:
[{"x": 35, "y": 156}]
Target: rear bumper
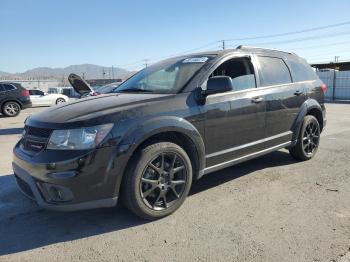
[
  {"x": 26, "y": 104},
  {"x": 324, "y": 117}
]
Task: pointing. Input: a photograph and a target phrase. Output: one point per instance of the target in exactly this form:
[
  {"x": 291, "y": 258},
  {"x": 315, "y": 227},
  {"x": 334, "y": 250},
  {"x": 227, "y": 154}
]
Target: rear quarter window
[
  {"x": 301, "y": 71},
  {"x": 273, "y": 71}
]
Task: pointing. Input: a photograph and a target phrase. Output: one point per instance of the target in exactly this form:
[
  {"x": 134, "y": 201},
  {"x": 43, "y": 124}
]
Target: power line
[
  {"x": 320, "y": 46},
  {"x": 139, "y": 63},
  {"x": 189, "y": 50},
  {"x": 290, "y": 33},
  {"x": 303, "y": 39}
]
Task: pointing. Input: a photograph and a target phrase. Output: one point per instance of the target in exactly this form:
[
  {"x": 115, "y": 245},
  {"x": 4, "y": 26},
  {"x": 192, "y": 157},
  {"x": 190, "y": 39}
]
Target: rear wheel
[
  {"x": 308, "y": 139},
  {"x": 60, "y": 100},
  {"x": 11, "y": 109},
  {"x": 157, "y": 180}
]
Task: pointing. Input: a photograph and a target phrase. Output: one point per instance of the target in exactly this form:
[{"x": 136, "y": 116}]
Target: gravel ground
[{"x": 268, "y": 209}]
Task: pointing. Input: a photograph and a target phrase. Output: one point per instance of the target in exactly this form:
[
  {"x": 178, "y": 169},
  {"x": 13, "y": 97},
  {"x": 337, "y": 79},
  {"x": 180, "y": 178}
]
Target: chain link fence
[{"x": 338, "y": 84}]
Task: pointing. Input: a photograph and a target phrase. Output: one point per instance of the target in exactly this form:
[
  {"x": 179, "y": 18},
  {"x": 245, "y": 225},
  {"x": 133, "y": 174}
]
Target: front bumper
[{"x": 80, "y": 182}]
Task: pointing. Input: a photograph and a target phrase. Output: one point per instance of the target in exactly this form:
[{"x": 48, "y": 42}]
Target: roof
[{"x": 243, "y": 48}]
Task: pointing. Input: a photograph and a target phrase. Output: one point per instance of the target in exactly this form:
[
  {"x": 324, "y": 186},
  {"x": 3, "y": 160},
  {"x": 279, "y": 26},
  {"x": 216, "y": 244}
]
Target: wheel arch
[
  {"x": 162, "y": 129},
  {"x": 309, "y": 107},
  {"x": 171, "y": 129},
  {"x": 10, "y": 100},
  {"x": 60, "y": 97}
]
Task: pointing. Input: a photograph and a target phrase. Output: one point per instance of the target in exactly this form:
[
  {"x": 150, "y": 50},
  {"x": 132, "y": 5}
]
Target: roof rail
[{"x": 262, "y": 48}]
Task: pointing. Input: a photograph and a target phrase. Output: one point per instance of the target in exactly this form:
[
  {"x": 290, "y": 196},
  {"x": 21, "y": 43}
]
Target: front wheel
[
  {"x": 157, "y": 180},
  {"x": 308, "y": 139}
]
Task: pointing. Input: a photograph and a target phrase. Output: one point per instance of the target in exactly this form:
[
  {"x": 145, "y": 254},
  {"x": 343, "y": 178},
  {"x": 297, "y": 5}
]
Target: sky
[{"x": 37, "y": 33}]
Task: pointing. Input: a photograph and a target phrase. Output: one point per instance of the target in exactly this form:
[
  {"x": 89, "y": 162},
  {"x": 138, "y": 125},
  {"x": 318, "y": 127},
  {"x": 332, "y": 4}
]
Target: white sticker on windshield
[{"x": 195, "y": 60}]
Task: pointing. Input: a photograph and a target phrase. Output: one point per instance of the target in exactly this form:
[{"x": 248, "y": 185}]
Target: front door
[{"x": 235, "y": 120}]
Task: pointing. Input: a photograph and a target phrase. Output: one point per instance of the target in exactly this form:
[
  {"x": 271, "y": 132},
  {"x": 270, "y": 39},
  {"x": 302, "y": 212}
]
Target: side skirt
[{"x": 232, "y": 162}]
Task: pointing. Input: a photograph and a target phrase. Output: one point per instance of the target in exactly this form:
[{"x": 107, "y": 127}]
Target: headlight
[{"x": 78, "y": 139}]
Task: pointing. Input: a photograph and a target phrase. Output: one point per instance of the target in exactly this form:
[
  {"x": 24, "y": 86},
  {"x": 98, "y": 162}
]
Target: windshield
[
  {"x": 107, "y": 88},
  {"x": 169, "y": 76}
]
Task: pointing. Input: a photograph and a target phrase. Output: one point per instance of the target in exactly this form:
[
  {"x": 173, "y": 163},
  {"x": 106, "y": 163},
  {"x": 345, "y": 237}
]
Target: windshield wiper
[{"x": 134, "y": 90}]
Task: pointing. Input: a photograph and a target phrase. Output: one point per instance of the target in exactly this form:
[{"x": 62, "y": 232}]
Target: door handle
[
  {"x": 257, "y": 100},
  {"x": 298, "y": 93}
]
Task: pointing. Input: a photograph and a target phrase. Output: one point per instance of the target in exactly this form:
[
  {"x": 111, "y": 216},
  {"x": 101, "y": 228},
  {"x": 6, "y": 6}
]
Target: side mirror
[{"x": 218, "y": 84}]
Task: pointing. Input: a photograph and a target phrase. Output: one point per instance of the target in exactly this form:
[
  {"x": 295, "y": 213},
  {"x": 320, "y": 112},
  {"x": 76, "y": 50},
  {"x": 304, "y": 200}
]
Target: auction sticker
[{"x": 195, "y": 60}]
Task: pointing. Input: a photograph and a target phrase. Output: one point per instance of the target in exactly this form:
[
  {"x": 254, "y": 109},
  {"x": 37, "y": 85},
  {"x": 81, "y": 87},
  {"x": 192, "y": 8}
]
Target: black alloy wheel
[
  {"x": 308, "y": 139},
  {"x": 163, "y": 181},
  {"x": 157, "y": 180},
  {"x": 311, "y": 137}
]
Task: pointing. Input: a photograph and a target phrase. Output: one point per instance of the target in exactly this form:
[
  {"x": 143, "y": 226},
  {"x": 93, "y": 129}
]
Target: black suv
[
  {"x": 170, "y": 124},
  {"x": 13, "y": 98}
]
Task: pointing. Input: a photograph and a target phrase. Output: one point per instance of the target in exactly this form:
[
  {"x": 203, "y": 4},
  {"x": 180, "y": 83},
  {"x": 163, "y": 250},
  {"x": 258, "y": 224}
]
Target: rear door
[{"x": 283, "y": 99}]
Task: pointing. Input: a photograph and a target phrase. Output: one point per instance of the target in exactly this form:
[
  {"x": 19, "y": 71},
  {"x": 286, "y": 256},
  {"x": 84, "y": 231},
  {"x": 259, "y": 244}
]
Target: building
[
  {"x": 340, "y": 66},
  {"x": 43, "y": 85}
]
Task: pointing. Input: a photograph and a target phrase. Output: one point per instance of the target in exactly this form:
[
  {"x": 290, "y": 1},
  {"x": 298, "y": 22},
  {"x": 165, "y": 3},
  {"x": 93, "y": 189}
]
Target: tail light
[
  {"x": 324, "y": 88},
  {"x": 25, "y": 93}
]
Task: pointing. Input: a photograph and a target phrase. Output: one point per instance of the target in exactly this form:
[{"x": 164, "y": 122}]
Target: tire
[
  {"x": 60, "y": 100},
  {"x": 151, "y": 190},
  {"x": 11, "y": 109},
  {"x": 308, "y": 139}
]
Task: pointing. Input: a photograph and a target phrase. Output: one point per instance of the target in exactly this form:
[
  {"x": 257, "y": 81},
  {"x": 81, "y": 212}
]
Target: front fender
[
  {"x": 306, "y": 107},
  {"x": 139, "y": 133}
]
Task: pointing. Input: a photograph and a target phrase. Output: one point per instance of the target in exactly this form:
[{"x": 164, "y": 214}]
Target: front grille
[
  {"x": 38, "y": 132},
  {"x": 35, "y": 146},
  {"x": 35, "y": 139},
  {"x": 24, "y": 187}
]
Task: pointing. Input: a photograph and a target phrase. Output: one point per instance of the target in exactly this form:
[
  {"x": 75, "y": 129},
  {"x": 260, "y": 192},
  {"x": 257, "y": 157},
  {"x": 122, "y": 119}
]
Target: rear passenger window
[
  {"x": 301, "y": 71},
  {"x": 8, "y": 87},
  {"x": 273, "y": 71},
  {"x": 1, "y": 88}
]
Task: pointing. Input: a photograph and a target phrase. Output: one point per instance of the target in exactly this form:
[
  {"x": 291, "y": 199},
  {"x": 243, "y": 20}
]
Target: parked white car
[{"x": 39, "y": 98}]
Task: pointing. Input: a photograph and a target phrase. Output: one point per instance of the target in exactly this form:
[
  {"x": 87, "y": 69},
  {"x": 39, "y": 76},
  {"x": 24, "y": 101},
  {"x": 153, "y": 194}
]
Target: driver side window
[{"x": 240, "y": 70}]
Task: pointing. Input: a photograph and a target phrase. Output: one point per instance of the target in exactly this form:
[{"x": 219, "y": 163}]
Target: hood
[
  {"x": 79, "y": 84},
  {"x": 94, "y": 110}
]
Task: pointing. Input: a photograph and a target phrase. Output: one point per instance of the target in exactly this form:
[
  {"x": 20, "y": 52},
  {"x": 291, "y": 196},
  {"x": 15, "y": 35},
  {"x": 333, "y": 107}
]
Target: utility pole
[
  {"x": 146, "y": 62},
  {"x": 103, "y": 73},
  {"x": 223, "y": 44},
  {"x": 336, "y": 59},
  {"x": 83, "y": 75},
  {"x": 112, "y": 72}
]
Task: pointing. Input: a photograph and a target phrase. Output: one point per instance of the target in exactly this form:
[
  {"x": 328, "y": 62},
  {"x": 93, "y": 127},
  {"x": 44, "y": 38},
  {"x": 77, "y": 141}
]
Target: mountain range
[{"x": 88, "y": 71}]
